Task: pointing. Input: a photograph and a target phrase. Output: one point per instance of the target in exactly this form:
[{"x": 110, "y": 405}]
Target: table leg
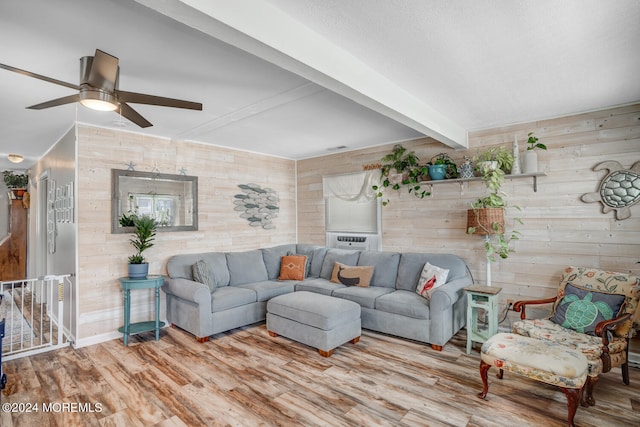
[
  {"x": 157, "y": 313},
  {"x": 127, "y": 309},
  {"x": 469, "y": 324}
]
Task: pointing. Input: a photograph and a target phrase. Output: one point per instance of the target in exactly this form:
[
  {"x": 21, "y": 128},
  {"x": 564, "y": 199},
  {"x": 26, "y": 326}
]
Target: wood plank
[{"x": 244, "y": 377}]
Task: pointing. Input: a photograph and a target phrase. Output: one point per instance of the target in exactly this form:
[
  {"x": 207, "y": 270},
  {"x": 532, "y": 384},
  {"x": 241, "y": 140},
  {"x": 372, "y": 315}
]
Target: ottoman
[
  {"x": 314, "y": 319},
  {"x": 544, "y": 361}
]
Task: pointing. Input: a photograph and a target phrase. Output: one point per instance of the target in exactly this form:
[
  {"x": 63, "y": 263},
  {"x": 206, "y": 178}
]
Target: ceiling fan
[{"x": 98, "y": 89}]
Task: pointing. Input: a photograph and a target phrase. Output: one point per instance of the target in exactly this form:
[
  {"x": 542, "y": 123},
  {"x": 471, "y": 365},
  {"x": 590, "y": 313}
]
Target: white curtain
[{"x": 351, "y": 187}]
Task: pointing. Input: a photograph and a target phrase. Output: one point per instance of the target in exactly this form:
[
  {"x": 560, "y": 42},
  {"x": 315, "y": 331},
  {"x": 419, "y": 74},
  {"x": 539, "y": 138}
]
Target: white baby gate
[{"x": 38, "y": 315}]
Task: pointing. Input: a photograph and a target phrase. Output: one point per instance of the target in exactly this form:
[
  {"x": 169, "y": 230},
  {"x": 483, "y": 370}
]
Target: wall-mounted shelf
[{"x": 461, "y": 181}]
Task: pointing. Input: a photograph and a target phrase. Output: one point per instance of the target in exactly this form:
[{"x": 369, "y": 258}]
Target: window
[{"x": 350, "y": 203}]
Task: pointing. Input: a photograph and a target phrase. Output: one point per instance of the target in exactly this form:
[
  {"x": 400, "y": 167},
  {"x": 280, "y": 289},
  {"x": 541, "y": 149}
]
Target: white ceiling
[{"x": 396, "y": 70}]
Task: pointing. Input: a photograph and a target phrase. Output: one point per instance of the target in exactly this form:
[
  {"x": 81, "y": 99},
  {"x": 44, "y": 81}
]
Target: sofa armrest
[
  {"x": 446, "y": 295},
  {"x": 189, "y": 290}
]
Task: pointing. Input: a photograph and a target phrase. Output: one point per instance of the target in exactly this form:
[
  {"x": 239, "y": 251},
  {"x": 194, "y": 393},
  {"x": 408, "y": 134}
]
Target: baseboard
[{"x": 97, "y": 339}]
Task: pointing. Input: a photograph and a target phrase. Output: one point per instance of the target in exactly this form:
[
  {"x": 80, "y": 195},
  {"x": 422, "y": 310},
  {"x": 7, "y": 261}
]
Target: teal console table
[
  {"x": 127, "y": 284},
  {"x": 481, "y": 298}
]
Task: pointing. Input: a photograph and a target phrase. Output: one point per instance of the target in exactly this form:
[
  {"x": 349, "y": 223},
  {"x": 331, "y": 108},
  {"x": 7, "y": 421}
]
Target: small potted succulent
[{"x": 143, "y": 235}]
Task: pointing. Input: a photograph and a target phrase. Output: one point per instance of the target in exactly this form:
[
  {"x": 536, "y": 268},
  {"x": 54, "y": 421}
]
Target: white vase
[{"x": 530, "y": 161}]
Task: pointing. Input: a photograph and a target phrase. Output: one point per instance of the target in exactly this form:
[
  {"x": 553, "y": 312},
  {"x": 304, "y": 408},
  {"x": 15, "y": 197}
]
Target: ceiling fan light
[
  {"x": 98, "y": 100},
  {"x": 15, "y": 158}
]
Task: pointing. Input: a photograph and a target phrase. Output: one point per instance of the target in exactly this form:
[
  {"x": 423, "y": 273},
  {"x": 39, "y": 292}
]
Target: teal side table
[
  {"x": 481, "y": 298},
  {"x": 127, "y": 284}
]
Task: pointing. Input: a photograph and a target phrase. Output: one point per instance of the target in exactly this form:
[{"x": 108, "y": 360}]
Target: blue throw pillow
[{"x": 582, "y": 309}]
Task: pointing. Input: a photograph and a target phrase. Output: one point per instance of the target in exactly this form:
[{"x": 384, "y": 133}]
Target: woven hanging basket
[{"x": 483, "y": 220}]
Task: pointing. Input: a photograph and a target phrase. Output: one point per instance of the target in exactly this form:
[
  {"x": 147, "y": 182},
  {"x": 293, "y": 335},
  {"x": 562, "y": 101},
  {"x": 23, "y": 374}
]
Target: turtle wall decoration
[{"x": 618, "y": 191}]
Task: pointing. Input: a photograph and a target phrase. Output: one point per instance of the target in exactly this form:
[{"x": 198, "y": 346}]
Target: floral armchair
[{"x": 594, "y": 311}]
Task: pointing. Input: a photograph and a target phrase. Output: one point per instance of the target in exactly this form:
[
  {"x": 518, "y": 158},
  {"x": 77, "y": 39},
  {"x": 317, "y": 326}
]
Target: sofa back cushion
[
  {"x": 315, "y": 256},
  {"x": 386, "y": 264},
  {"x": 246, "y": 267},
  {"x": 411, "y": 265},
  {"x": 273, "y": 256},
  {"x": 340, "y": 255},
  {"x": 180, "y": 266}
]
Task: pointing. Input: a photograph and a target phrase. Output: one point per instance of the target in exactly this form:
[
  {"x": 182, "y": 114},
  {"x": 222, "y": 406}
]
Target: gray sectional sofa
[{"x": 245, "y": 281}]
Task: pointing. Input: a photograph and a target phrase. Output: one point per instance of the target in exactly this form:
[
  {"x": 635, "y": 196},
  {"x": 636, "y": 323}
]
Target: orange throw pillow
[
  {"x": 292, "y": 267},
  {"x": 352, "y": 276}
]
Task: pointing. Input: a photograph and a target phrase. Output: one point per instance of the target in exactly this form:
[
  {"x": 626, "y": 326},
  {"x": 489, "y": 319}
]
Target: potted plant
[
  {"x": 17, "y": 183},
  {"x": 530, "y": 156},
  {"x": 494, "y": 158},
  {"x": 486, "y": 216},
  {"x": 143, "y": 236},
  {"x": 442, "y": 167},
  {"x": 401, "y": 168}
]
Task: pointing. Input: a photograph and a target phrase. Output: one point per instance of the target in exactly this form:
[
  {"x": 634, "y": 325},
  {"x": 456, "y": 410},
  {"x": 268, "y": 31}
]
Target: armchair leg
[
  {"x": 587, "y": 395},
  {"x": 625, "y": 372}
]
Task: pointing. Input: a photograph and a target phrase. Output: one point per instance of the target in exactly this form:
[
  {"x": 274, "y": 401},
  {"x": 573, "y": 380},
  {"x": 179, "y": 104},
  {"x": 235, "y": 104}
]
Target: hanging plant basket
[{"x": 485, "y": 220}]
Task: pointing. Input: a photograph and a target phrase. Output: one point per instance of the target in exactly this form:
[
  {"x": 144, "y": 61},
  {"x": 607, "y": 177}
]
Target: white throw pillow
[{"x": 431, "y": 278}]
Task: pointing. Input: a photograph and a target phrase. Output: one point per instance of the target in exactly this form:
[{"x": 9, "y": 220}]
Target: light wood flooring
[{"x": 247, "y": 378}]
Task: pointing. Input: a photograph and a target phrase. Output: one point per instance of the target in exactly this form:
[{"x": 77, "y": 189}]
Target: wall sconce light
[{"x": 15, "y": 158}]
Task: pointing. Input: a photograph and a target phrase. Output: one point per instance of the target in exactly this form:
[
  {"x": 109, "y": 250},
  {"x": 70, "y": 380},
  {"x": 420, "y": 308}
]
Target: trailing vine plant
[{"x": 401, "y": 168}]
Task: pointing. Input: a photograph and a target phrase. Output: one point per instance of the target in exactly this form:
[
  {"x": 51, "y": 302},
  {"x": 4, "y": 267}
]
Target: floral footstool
[{"x": 544, "y": 361}]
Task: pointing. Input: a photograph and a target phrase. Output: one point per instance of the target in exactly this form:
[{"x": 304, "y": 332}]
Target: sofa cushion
[
  {"x": 230, "y": 297},
  {"x": 431, "y": 278},
  {"x": 386, "y": 264},
  {"x": 366, "y": 297},
  {"x": 204, "y": 274},
  {"x": 272, "y": 257},
  {"x": 319, "y": 286},
  {"x": 404, "y": 303},
  {"x": 293, "y": 267},
  {"x": 315, "y": 255},
  {"x": 246, "y": 267},
  {"x": 352, "y": 276},
  {"x": 307, "y": 265},
  {"x": 337, "y": 255},
  {"x": 269, "y": 289},
  {"x": 180, "y": 266},
  {"x": 582, "y": 309}
]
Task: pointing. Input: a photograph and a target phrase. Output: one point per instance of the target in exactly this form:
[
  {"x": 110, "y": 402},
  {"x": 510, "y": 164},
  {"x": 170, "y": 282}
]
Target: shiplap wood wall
[
  {"x": 559, "y": 229},
  {"x": 103, "y": 256}
]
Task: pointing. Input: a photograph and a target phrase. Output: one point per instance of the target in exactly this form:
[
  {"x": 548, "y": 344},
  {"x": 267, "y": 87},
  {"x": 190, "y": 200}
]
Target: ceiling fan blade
[
  {"x": 129, "y": 113},
  {"x": 141, "y": 98},
  {"x": 56, "y": 102},
  {"x": 39, "y": 76},
  {"x": 104, "y": 71}
]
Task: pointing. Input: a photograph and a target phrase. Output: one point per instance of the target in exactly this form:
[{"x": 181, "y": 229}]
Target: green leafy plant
[
  {"x": 498, "y": 241},
  {"x": 126, "y": 220},
  {"x": 501, "y": 155},
  {"x": 444, "y": 159},
  {"x": 143, "y": 236},
  {"x": 401, "y": 168},
  {"x": 532, "y": 142},
  {"x": 13, "y": 181}
]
